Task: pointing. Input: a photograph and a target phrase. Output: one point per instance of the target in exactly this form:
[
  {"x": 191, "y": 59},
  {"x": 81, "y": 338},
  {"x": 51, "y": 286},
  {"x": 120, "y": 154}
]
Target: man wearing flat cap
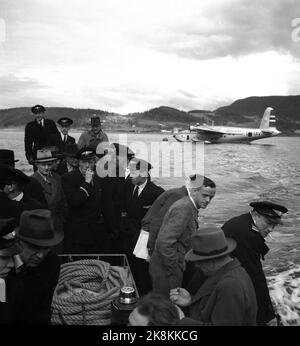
[
  {"x": 11, "y": 288},
  {"x": 140, "y": 193},
  {"x": 62, "y": 138},
  {"x": 227, "y": 297},
  {"x": 38, "y": 132},
  {"x": 93, "y": 136},
  {"x": 41, "y": 266},
  {"x": 250, "y": 230},
  {"x": 173, "y": 240},
  {"x": 90, "y": 211}
]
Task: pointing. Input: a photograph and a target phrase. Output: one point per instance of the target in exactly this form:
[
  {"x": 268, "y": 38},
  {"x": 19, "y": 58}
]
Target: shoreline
[{"x": 17, "y": 128}]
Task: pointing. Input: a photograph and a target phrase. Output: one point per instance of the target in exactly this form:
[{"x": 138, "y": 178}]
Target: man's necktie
[
  {"x": 135, "y": 193},
  {"x": 65, "y": 138}
]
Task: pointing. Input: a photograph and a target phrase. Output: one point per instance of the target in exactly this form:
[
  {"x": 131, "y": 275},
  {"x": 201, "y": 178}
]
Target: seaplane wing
[
  {"x": 206, "y": 129},
  {"x": 210, "y": 131}
]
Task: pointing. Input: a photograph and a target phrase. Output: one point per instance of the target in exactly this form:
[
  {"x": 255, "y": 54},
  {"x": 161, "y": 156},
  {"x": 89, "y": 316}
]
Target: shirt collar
[
  {"x": 254, "y": 226},
  {"x": 191, "y": 198},
  {"x": 44, "y": 177},
  {"x": 141, "y": 187},
  {"x": 19, "y": 197}
]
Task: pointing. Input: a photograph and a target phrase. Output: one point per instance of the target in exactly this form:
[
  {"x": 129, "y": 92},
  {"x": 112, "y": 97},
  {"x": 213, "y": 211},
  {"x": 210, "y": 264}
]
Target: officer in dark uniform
[
  {"x": 62, "y": 138},
  {"x": 90, "y": 210},
  {"x": 249, "y": 231},
  {"x": 139, "y": 196},
  {"x": 38, "y": 132}
]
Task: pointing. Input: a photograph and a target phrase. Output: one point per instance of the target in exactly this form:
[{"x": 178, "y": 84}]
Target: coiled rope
[{"x": 85, "y": 290}]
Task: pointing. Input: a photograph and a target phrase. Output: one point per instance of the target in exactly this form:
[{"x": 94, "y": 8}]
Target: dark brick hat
[
  {"x": 86, "y": 153},
  {"x": 37, "y": 109},
  {"x": 8, "y": 174},
  {"x": 271, "y": 210},
  {"x": 65, "y": 121},
  {"x": 7, "y": 157}
]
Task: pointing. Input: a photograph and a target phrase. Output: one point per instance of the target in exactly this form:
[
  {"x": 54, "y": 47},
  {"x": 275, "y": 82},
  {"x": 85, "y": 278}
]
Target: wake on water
[{"x": 285, "y": 294}]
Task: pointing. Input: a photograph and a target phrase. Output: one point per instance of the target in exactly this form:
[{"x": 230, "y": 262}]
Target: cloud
[
  {"x": 229, "y": 28},
  {"x": 11, "y": 84},
  {"x": 132, "y": 55}
]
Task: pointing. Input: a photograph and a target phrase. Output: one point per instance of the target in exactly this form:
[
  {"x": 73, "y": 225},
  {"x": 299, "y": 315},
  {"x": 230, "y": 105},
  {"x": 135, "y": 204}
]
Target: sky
[{"x": 129, "y": 56}]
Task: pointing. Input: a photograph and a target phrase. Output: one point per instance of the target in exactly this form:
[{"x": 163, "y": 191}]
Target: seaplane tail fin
[{"x": 268, "y": 120}]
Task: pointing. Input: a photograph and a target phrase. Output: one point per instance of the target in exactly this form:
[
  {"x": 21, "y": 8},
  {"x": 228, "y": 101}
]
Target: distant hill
[
  {"x": 165, "y": 113},
  {"x": 286, "y": 108},
  {"x": 14, "y": 117},
  {"x": 245, "y": 112}
]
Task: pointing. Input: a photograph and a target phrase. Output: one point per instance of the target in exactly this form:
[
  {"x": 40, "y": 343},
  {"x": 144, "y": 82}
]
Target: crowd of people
[{"x": 195, "y": 275}]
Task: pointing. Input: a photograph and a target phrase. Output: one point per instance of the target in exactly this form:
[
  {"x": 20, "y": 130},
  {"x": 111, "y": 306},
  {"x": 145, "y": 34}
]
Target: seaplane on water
[{"x": 224, "y": 134}]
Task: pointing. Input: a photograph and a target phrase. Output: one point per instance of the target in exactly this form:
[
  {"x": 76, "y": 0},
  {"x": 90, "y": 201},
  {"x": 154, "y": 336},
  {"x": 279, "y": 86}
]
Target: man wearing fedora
[
  {"x": 38, "y": 132},
  {"x": 32, "y": 189},
  {"x": 94, "y": 136},
  {"x": 167, "y": 263},
  {"x": 41, "y": 266},
  {"x": 62, "y": 138},
  {"x": 227, "y": 297},
  {"x": 52, "y": 187},
  {"x": 140, "y": 193},
  {"x": 12, "y": 199},
  {"x": 70, "y": 161},
  {"x": 11, "y": 288},
  {"x": 90, "y": 211},
  {"x": 250, "y": 230}
]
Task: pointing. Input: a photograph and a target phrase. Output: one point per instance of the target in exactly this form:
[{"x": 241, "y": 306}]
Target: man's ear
[{"x": 10, "y": 187}]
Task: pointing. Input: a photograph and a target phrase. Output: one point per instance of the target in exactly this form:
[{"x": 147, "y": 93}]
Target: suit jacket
[
  {"x": 167, "y": 262},
  {"x": 11, "y": 309},
  {"x": 88, "y": 204},
  {"x": 89, "y": 139},
  {"x": 38, "y": 136},
  {"x": 55, "y": 139},
  {"x": 155, "y": 215},
  {"x": 10, "y": 208},
  {"x": 226, "y": 298},
  {"x": 55, "y": 197},
  {"x": 137, "y": 208},
  {"x": 251, "y": 248},
  {"x": 34, "y": 190},
  {"x": 39, "y": 284}
]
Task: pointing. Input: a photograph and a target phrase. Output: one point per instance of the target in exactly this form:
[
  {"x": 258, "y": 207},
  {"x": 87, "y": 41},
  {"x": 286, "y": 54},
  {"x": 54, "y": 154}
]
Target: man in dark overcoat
[
  {"x": 38, "y": 132},
  {"x": 90, "y": 211},
  {"x": 39, "y": 267},
  {"x": 249, "y": 231},
  {"x": 140, "y": 194}
]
